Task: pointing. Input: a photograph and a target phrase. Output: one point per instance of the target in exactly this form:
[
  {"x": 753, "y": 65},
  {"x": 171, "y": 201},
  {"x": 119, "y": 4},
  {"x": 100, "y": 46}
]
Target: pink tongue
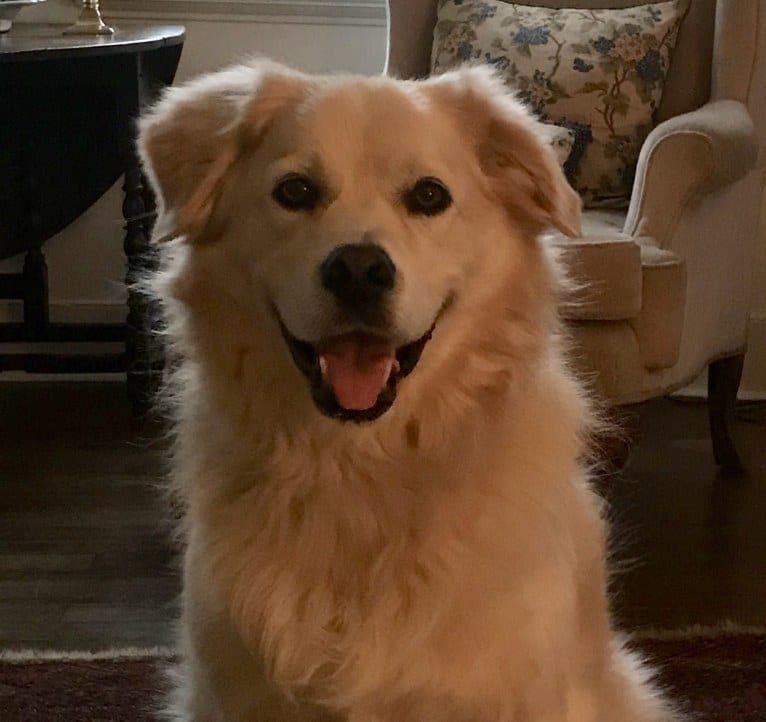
[{"x": 357, "y": 369}]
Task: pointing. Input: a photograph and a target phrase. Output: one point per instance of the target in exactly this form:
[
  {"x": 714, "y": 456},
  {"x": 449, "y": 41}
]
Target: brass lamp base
[{"x": 89, "y": 22}]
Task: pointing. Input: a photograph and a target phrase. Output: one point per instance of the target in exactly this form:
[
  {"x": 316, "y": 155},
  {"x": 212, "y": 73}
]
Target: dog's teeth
[{"x": 323, "y": 365}]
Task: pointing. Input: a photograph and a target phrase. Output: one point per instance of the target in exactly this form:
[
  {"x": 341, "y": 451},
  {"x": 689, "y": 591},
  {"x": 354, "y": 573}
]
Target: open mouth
[{"x": 354, "y": 376}]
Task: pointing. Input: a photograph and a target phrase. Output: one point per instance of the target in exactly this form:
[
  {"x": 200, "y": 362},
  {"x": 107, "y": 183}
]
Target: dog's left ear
[{"x": 510, "y": 145}]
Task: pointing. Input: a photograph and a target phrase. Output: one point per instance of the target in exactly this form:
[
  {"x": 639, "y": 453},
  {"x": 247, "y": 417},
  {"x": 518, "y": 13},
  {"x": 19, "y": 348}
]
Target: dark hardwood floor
[{"x": 84, "y": 561}]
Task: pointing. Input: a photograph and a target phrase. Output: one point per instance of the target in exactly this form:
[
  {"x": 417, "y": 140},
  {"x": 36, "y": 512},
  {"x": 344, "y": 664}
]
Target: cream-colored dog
[{"x": 380, "y": 448}]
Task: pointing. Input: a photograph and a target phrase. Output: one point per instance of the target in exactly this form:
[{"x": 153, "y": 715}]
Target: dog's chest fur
[
  {"x": 342, "y": 555},
  {"x": 328, "y": 551}
]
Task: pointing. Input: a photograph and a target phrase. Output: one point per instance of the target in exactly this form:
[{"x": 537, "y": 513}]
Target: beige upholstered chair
[{"x": 669, "y": 280}]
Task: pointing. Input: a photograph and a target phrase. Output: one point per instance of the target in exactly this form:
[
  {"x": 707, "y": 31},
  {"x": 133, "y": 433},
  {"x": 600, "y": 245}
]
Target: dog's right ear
[
  {"x": 191, "y": 137},
  {"x": 511, "y": 149}
]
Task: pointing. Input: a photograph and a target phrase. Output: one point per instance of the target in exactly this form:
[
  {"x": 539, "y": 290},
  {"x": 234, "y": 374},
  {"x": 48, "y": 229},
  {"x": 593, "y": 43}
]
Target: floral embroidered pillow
[
  {"x": 562, "y": 141},
  {"x": 603, "y": 70},
  {"x": 569, "y": 141}
]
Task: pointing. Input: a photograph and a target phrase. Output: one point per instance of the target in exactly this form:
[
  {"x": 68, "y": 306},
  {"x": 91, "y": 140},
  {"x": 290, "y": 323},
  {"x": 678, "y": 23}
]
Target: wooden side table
[{"x": 67, "y": 132}]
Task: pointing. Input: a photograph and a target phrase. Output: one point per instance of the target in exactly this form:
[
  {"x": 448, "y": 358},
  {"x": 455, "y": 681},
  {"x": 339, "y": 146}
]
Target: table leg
[{"x": 141, "y": 374}]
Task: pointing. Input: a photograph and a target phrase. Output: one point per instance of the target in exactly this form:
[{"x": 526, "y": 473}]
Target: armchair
[{"x": 667, "y": 282}]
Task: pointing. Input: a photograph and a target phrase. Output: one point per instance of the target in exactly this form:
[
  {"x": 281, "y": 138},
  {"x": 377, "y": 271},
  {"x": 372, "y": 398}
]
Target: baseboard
[
  {"x": 16, "y": 377},
  {"x": 85, "y": 312},
  {"x": 69, "y": 312}
]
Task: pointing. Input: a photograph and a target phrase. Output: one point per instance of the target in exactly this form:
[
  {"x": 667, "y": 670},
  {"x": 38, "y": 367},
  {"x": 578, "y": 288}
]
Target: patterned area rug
[{"x": 717, "y": 675}]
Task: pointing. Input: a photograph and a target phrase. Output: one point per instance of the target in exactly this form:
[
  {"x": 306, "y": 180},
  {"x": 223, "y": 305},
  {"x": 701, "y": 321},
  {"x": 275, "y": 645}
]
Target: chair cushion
[
  {"x": 618, "y": 277},
  {"x": 624, "y": 288},
  {"x": 605, "y": 266},
  {"x": 604, "y": 68},
  {"x": 569, "y": 141},
  {"x": 608, "y": 358},
  {"x": 562, "y": 141}
]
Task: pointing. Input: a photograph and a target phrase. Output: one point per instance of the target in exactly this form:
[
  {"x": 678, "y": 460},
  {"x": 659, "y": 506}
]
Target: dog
[{"x": 381, "y": 451}]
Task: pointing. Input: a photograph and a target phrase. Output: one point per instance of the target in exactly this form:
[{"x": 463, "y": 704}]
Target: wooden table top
[{"x": 33, "y": 41}]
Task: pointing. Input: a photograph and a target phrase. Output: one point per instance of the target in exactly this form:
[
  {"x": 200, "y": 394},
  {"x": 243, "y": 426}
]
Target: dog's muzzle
[{"x": 354, "y": 375}]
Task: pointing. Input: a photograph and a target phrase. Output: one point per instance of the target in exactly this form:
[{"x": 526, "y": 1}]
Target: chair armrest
[{"x": 685, "y": 158}]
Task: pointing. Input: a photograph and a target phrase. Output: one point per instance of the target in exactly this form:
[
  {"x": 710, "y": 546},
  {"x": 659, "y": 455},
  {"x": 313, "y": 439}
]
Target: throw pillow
[
  {"x": 601, "y": 69},
  {"x": 562, "y": 141},
  {"x": 569, "y": 141}
]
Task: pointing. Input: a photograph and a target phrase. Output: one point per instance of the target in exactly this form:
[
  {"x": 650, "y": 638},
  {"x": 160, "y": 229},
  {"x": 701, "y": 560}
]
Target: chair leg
[{"x": 722, "y": 384}]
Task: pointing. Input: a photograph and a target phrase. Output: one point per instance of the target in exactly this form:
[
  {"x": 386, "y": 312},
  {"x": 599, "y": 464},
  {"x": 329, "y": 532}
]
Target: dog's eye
[
  {"x": 296, "y": 193},
  {"x": 427, "y": 197}
]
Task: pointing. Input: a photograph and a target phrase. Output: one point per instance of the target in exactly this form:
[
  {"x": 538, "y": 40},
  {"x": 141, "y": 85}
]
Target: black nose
[{"x": 358, "y": 273}]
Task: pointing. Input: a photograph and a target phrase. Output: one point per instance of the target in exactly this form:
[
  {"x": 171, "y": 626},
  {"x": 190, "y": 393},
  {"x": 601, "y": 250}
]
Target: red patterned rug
[{"x": 717, "y": 675}]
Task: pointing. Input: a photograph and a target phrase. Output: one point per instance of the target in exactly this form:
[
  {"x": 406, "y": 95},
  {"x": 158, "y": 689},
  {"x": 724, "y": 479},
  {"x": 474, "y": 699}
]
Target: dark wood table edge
[{"x": 106, "y": 46}]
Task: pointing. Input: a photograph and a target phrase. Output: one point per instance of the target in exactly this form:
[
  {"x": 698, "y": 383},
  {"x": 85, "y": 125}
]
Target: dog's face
[{"x": 358, "y": 211}]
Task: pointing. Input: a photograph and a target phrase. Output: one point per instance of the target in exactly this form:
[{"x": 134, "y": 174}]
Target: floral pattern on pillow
[
  {"x": 562, "y": 142},
  {"x": 569, "y": 141},
  {"x": 603, "y": 70}
]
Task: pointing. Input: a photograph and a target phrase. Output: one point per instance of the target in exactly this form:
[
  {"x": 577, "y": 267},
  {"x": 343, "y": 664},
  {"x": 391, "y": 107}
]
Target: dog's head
[{"x": 357, "y": 215}]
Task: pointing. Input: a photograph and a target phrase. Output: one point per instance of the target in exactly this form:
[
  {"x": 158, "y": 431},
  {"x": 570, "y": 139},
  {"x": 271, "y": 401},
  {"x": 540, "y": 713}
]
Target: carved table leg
[
  {"x": 141, "y": 379},
  {"x": 34, "y": 273},
  {"x": 150, "y": 205},
  {"x": 723, "y": 380}
]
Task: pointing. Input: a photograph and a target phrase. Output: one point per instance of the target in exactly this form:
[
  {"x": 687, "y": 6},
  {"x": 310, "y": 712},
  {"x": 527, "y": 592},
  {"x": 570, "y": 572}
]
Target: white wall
[
  {"x": 754, "y": 377},
  {"x": 85, "y": 261}
]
